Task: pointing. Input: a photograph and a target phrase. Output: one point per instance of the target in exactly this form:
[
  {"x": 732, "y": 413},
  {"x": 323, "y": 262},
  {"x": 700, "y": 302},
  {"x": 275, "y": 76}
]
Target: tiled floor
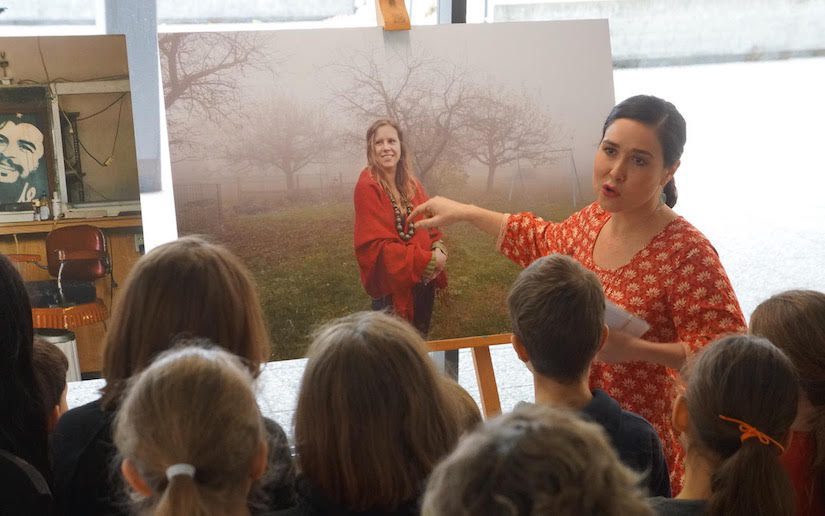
[{"x": 279, "y": 383}]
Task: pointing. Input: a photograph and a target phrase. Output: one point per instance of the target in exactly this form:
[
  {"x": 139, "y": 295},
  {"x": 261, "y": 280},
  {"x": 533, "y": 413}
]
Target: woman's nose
[{"x": 617, "y": 172}]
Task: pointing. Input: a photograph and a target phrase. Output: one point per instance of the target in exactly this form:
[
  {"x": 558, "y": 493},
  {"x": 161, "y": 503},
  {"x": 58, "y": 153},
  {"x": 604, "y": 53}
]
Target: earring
[{"x": 662, "y": 197}]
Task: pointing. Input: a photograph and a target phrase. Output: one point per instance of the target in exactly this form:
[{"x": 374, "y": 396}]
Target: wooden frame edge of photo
[
  {"x": 392, "y": 14},
  {"x": 483, "y": 362}
]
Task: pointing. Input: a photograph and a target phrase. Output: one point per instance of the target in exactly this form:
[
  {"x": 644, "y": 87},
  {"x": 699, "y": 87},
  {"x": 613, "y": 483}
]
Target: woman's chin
[{"x": 609, "y": 204}]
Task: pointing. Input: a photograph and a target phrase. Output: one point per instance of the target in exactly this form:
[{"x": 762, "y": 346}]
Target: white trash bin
[{"x": 66, "y": 341}]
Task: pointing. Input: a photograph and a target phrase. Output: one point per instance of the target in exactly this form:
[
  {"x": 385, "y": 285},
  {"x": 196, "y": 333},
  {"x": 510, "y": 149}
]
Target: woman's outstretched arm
[{"x": 440, "y": 211}]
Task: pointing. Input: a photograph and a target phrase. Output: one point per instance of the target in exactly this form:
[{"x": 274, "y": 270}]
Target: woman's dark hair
[
  {"x": 749, "y": 379},
  {"x": 669, "y": 124},
  {"x": 795, "y": 322},
  {"x": 24, "y": 429}
]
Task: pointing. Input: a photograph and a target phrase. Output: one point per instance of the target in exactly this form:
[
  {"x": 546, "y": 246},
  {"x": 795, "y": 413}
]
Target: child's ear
[
  {"x": 260, "y": 461},
  {"x": 680, "y": 417},
  {"x": 134, "y": 478},
  {"x": 51, "y": 421},
  {"x": 519, "y": 348},
  {"x": 603, "y": 338}
]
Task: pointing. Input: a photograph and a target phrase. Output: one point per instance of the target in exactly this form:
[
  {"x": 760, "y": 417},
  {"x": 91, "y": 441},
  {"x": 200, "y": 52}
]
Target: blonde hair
[
  {"x": 536, "y": 460},
  {"x": 404, "y": 181},
  {"x": 194, "y": 406},
  {"x": 189, "y": 288},
  {"x": 373, "y": 417}
]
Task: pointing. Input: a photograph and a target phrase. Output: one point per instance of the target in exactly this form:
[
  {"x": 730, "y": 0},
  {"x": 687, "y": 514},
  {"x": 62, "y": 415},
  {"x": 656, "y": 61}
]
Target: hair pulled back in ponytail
[
  {"x": 749, "y": 379},
  {"x": 193, "y": 406},
  {"x": 668, "y": 123}
]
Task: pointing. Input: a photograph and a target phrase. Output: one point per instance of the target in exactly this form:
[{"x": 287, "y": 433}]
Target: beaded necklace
[{"x": 399, "y": 222}]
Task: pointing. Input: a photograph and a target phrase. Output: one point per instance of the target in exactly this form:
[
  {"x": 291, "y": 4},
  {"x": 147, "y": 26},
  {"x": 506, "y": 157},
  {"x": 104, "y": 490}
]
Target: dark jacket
[
  {"x": 24, "y": 490},
  {"x": 633, "y": 438}
]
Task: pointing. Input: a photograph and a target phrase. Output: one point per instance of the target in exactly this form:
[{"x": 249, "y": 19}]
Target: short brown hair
[
  {"x": 194, "y": 406},
  {"x": 535, "y": 460},
  {"x": 186, "y": 288},
  {"x": 372, "y": 418},
  {"x": 50, "y": 367},
  {"x": 557, "y": 311}
]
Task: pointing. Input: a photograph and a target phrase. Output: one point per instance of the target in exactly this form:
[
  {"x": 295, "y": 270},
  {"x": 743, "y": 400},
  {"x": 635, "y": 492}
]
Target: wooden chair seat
[{"x": 70, "y": 317}]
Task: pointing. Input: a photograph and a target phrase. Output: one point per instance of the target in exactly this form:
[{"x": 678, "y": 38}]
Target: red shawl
[{"x": 389, "y": 265}]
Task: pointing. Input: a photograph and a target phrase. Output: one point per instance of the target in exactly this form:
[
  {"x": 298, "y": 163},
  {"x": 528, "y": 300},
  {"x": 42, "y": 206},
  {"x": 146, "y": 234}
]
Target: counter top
[{"x": 45, "y": 226}]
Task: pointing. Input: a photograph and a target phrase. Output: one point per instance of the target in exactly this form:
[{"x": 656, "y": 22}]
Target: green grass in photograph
[{"x": 303, "y": 260}]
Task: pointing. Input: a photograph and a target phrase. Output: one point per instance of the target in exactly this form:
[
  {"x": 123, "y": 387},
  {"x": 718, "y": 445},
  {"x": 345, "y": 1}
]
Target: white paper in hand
[{"x": 618, "y": 319}]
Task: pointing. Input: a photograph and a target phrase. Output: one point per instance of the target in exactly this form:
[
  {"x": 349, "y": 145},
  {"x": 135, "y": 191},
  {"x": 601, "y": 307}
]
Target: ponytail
[
  {"x": 742, "y": 395},
  {"x": 751, "y": 482},
  {"x": 192, "y": 423},
  {"x": 181, "y": 496}
]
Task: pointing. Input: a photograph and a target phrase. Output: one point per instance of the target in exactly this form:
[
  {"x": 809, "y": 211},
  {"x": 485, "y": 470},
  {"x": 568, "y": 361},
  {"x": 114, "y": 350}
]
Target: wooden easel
[
  {"x": 483, "y": 363},
  {"x": 392, "y": 14}
]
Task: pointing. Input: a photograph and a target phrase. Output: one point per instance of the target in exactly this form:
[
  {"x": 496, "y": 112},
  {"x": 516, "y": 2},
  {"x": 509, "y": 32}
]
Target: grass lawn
[{"x": 303, "y": 260}]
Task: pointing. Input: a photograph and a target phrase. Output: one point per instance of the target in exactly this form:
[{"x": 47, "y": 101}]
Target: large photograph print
[{"x": 267, "y": 137}]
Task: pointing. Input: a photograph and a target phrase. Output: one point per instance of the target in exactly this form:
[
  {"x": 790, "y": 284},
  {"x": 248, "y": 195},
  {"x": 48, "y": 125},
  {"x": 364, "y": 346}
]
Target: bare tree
[
  {"x": 423, "y": 95},
  {"x": 281, "y": 135},
  {"x": 500, "y": 128},
  {"x": 200, "y": 76}
]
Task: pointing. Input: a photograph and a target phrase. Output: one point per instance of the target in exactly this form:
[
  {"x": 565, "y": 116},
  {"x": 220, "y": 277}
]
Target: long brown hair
[
  {"x": 795, "y": 322},
  {"x": 192, "y": 406},
  {"x": 749, "y": 379},
  {"x": 189, "y": 287},
  {"x": 372, "y": 418},
  {"x": 404, "y": 181},
  {"x": 535, "y": 460}
]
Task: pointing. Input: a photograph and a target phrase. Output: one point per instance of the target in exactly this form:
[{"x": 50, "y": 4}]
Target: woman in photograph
[
  {"x": 650, "y": 261},
  {"x": 401, "y": 265}
]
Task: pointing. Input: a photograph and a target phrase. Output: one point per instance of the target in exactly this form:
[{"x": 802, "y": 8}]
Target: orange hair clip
[{"x": 749, "y": 432}]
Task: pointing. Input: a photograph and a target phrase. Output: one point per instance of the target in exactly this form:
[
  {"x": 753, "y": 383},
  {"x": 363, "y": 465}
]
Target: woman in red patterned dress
[
  {"x": 651, "y": 261},
  {"x": 400, "y": 267}
]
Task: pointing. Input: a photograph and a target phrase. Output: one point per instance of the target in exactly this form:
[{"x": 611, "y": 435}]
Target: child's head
[
  {"x": 795, "y": 322},
  {"x": 739, "y": 403},
  {"x": 190, "y": 433},
  {"x": 535, "y": 460},
  {"x": 50, "y": 367},
  {"x": 557, "y": 314},
  {"x": 465, "y": 407},
  {"x": 373, "y": 417},
  {"x": 189, "y": 287}
]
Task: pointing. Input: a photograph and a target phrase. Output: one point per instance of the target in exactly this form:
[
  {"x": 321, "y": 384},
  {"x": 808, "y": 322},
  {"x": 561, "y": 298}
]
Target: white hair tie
[{"x": 180, "y": 469}]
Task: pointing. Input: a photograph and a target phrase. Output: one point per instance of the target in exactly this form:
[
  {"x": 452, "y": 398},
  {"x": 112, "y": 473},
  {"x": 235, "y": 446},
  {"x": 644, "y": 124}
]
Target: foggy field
[{"x": 303, "y": 261}]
